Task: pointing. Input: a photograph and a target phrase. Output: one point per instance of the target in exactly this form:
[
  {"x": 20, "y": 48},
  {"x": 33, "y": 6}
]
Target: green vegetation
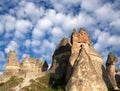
[
  {"x": 45, "y": 83},
  {"x": 12, "y": 82}
]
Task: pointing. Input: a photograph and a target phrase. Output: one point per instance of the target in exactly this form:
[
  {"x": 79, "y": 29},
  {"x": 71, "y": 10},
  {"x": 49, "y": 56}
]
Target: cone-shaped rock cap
[
  {"x": 83, "y": 36},
  {"x": 12, "y": 58}
]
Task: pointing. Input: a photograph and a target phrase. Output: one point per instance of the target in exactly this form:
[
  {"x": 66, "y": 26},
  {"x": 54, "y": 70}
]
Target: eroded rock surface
[
  {"x": 11, "y": 68},
  {"x": 33, "y": 65},
  {"x": 110, "y": 66},
  {"x": 60, "y": 58},
  {"x": 29, "y": 68},
  {"x": 12, "y": 62},
  {"x": 79, "y": 39},
  {"x": 84, "y": 76},
  {"x": 74, "y": 61}
]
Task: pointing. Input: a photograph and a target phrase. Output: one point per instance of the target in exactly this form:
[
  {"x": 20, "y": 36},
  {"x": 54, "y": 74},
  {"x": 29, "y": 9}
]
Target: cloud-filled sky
[{"x": 35, "y": 27}]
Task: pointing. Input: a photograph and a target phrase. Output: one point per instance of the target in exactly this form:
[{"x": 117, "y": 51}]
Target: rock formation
[
  {"x": 79, "y": 39},
  {"x": 82, "y": 38},
  {"x": 67, "y": 53},
  {"x": 68, "y": 58},
  {"x": 12, "y": 66},
  {"x": 60, "y": 58},
  {"x": 84, "y": 77},
  {"x": 74, "y": 62},
  {"x": 28, "y": 68},
  {"x": 117, "y": 76},
  {"x": 12, "y": 63},
  {"x": 33, "y": 65},
  {"x": 110, "y": 66}
]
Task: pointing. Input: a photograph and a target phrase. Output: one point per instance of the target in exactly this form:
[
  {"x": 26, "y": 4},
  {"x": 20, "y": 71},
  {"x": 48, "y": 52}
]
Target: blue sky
[{"x": 35, "y": 27}]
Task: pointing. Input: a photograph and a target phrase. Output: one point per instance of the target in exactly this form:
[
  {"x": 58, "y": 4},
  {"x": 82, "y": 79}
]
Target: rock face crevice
[
  {"x": 110, "y": 67},
  {"x": 75, "y": 64},
  {"x": 89, "y": 61},
  {"x": 85, "y": 66},
  {"x": 84, "y": 76},
  {"x": 61, "y": 58}
]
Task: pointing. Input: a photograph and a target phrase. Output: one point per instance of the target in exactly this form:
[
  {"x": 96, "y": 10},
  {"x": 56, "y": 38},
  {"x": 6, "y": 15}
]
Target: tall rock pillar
[{"x": 110, "y": 65}]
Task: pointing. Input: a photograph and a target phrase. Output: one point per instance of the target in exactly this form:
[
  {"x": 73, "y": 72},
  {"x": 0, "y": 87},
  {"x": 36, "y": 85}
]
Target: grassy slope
[
  {"x": 45, "y": 83},
  {"x": 12, "y": 82}
]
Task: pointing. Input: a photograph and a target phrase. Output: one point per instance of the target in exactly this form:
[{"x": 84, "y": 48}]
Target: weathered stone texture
[
  {"x": 84, "y": 77},
  {"x": 79, "y": 39},
  {"x": 33, "y": 65},
  {"x": 28, "y": 68},
  {"x": 60, "y": 58},
  {"x": 110, "y": 65},
  {"x": 11, "y": 68}
]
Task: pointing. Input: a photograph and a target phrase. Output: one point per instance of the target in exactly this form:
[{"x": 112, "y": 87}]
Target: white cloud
[
  {"x": 90, "y": 5},
  {"x": 41, "y": 28},
  {"x": 104, "y": 55},
  {"x": 46, "y": 47},
  {"x": 105, "y": 13},
  {"x": 49, "y": 65},
  {"x": 85, "y": 19},
  {"x": 12, "y": 46},
  {"x": 56, "y": 18},
  {"x": 27, "y": 43},
  {"x": 69, "y": 23},
  {"x": 115, "y": 23},
  {"x": 57, "y": 34},
  {"x": 106, "y": 40},
  {"x": 2, "y": 67},
  {"x": 1, "y": 28},
  {"x": 44, "y": 24},
  {"x": 19, "y": 35},
  {"x": 102, "y": 42},
  {"x": 35, "y": 50},
  {"x": 96, "y": 33},
  {"x": 81, "y": 20},
  {"x": 23, "y": 26},
  {"x": 9, "y": 23},
  {"x": 57, "y": 31},
  {"x": 1, "y": 73},
  {"x": 114, "y": 40},
  {"x": 24, "y": 55},
  {"x": 37, "y": 33},
  {"x": 35, "y": 43},
  {"x": 2, "y": 56},
  {"x": 64, "y": 5},
  {"x": 29, "y": 8}
]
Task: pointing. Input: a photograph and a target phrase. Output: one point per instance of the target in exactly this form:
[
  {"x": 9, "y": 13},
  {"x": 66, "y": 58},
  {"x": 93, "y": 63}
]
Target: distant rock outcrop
[
  {"x": 117, "y": 76},
  {"x": 12, "y": 63},
  {"x": 79, "y": 39},
  {"x": 110, "y": 66},
  {"x": 12, "y": 66},
  {"x": 76, "y": 66},
  {"x": 29, "y": 68},
  {"x": 33, "y": 65},
  {"x": 60, "y": 58},
  {"x": 84, "y": 77}
]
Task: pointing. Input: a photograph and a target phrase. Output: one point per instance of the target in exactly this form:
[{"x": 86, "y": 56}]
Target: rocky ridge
[
  {"x": 29, "y": 68},
  {"x": 75, "y": 66}
]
